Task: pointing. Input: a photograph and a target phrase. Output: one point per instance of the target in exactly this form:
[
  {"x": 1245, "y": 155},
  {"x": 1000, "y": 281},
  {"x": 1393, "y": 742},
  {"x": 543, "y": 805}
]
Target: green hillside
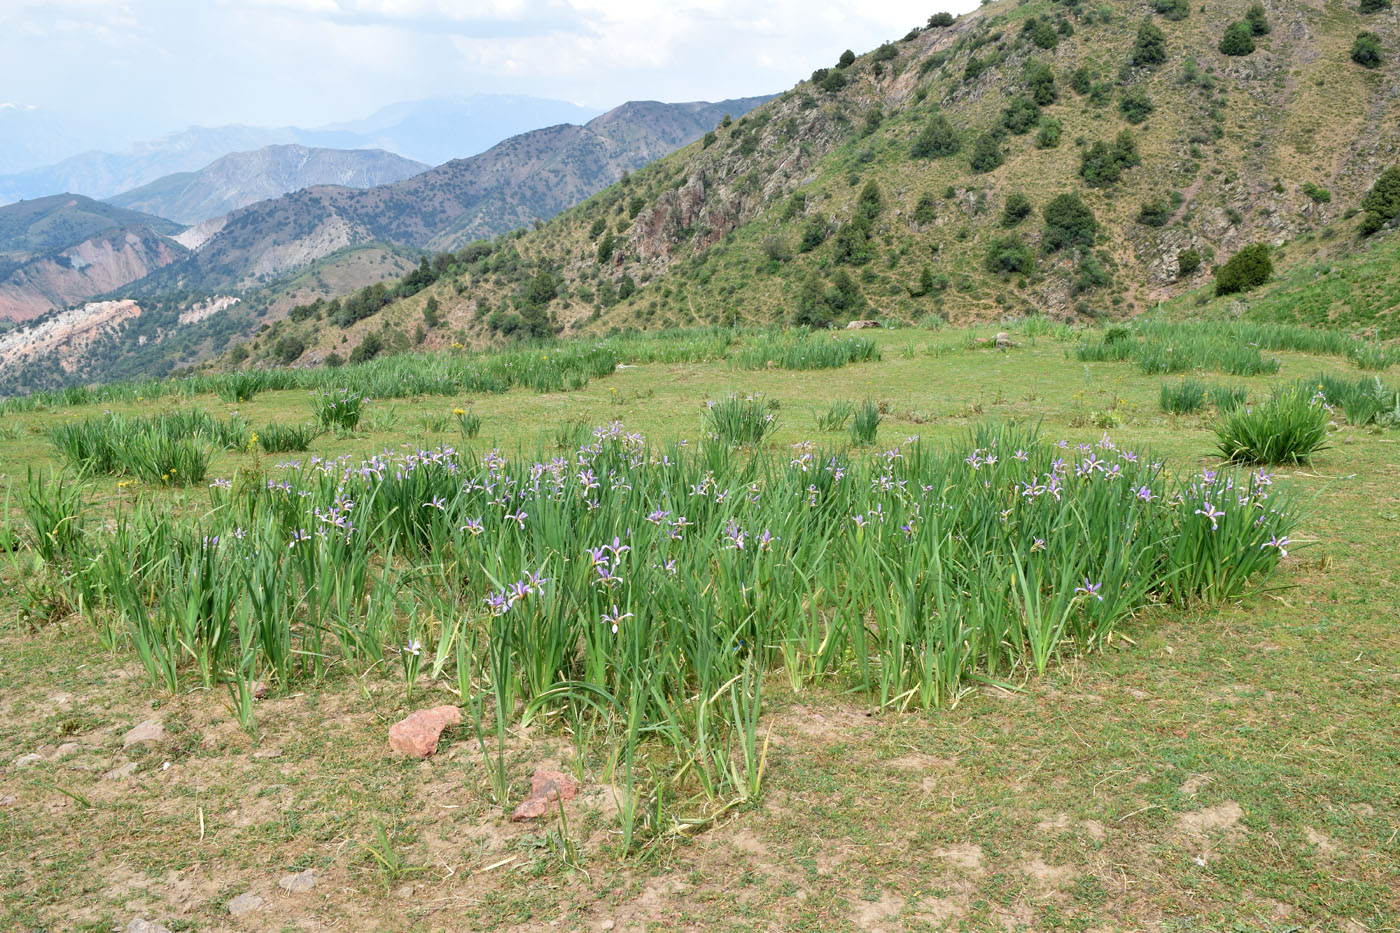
[{"x": 915, "y": 181}]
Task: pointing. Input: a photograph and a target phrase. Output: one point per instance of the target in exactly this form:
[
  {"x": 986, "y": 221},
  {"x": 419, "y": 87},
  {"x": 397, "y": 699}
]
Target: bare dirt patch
[
  {"x": 878, "y": 915},
  {"x": 964, "y": 855}
]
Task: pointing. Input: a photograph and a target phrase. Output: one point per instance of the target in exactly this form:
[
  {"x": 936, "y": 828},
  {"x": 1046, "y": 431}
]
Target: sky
[{"x": 146, "y": 67}]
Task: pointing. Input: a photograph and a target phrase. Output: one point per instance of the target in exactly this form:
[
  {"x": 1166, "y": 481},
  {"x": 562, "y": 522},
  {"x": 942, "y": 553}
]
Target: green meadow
[{"x": 913, "y": 628}]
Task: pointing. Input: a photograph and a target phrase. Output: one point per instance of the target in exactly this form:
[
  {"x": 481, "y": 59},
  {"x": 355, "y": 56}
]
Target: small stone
[
  {"x": 259, "y": 690},
  {"x": 145, "y": 926},
  {"x": 1002, "y": 341},
  {"x": 546, "y": 788},
  {"x": 268, "y": 753},
  {"x": 27, "y": 761},
  {"x": 247, "y": 902},
  {"x": 418, "y": 734},
  {"x": 607, "y": 924},
  {"x": 121, "y": 773},
  {"x": 862, "y": 325},
  {"x": 152, "y": 730},
  {"x": 67, "y": 749},
  {"x": 9, "y": 800},
  {"x": 299, "y": 883}
]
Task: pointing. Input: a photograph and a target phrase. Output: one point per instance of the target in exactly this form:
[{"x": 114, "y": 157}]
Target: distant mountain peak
[{"x": 242, "y": 178}]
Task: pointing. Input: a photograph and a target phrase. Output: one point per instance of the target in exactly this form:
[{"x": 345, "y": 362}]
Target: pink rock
[
  {"x": 418, "y": 734},
  {"x": 546, "y": 788},
  {"x": 862, "y": 325}
]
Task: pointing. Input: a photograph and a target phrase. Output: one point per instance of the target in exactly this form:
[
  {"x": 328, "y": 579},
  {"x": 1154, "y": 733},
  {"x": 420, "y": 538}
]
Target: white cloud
[{"x": 308, "y": 62}]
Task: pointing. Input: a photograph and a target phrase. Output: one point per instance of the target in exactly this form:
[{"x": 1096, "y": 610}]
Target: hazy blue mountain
[
  {"x": 430, "y": 131},
  {"x": 102, "y": 174},
  {"x": 444, "y": 128},
  {"x": 30, "y": 137},
  {"x": 242, "y": 178}
]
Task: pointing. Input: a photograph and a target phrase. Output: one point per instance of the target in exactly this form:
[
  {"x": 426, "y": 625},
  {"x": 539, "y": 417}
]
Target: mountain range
[
  {"x": 1029, "y": 158},
  {"x": 430, "y": 131},
  {"x": 316, "y": 241},
  {"x": 242, "y": 178},
  {"x": 526, "y": 178},
  {"x": 1035, "y": 157}
]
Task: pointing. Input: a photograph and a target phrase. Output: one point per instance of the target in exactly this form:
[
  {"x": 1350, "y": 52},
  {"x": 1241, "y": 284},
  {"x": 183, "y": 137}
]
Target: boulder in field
[
  {"x": 546, "y": 789},
  {"x": 417, "y": 735}
]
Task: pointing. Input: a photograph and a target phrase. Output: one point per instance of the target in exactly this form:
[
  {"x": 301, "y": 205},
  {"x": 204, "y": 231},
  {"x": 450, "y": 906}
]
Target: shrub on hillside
[
  {"x": 1102, "y": 164},
  {"x": 1049, "y": 135},
  {"x": 814, "y": 234},
  {"x": 940, "y": 20},
  {"x": 986, "y": 153},
  {"x": 936, "y": 140},
  {"x": 370, "y": 347},
  {"x": 288, "y": 349},
  {"x": 1068, "y": 222},
  {"x": 1150, "y": 47},
  {"x": 1366, "y": 50},
  {"x": 1247, "y": 269},
  {"x": 1136, "y": 105},
  {"x": 926, "y": 209},
  {"x": 1020, "y": 115},
  {"x": 1081, "y": 80},
  {"x": 1316, "y": 193},
  {"x": 1187, "y": 262},
  {"x": 1382, "y": 202},
  {"x": 1010, "y": 254},
  {"x": 1040, "y": 83},
  {"x": 1373, "y": 6},
  {"x": 1174, "y": 10},
  {"x": 852, "y": 245},
  {"x": 1155, "y": 212},
  {"x": 1258, "y": 19},
  {"x": 605, "y": 249},
  {"x": 1237, "y": 40},
  {"x": 1018, "y": 208},
  {"x": 1042, "y": 32}
]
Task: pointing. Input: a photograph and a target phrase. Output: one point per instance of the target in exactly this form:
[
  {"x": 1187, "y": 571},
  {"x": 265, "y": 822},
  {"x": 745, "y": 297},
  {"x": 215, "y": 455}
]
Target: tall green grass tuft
[
  {"x": 468, "y": 422},
  {"x": 866, "y": 424},
  {"x": 172, "y": 461},
  {"x": 1234, "y": 347},
  {"x": 1364, "y": 401},
  {"x": 1373, "y": 357},
  {"x": 739, "y": 420},
  {"x": 1288, "y": 427},
  {"x": 172, "y": 447},
  {"x": 275, "y": 438},
  {"x": 1227, "y": 398},
  {"x": 1185, "y": 397},
  {"x": 241, "y": 386},
  {"x": 339, "y": 410},
  {"x": 800, "y": 350},
  {"x": 835, "y": 417}
]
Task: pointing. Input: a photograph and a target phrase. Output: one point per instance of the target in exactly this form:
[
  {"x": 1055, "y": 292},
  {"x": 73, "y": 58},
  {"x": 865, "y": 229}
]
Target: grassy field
[{"x": 1213, "y": 766}]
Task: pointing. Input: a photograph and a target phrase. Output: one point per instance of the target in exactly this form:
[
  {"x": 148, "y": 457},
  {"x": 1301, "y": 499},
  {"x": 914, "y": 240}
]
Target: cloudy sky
[{"x": 157, "y": 65}]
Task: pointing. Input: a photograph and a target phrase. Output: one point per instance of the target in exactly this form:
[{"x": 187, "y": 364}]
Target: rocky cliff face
[
  {"x": 67, "y": 335},
  {"x": 95, "y": 266}
]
